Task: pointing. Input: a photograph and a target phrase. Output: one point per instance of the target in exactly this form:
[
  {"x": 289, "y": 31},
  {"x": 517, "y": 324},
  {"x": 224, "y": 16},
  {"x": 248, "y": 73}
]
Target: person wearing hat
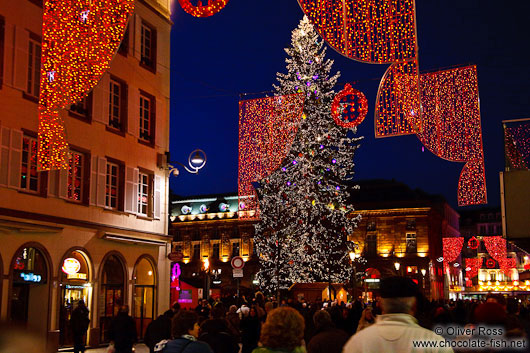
[{"x": 396, "y": 329}]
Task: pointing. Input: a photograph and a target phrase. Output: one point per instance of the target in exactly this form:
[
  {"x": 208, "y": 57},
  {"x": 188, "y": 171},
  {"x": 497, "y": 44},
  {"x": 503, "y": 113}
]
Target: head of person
[
  {"x": 398, "y": 295},
  {"x": 489, "y": 313},
  {"x": 185, "y": 322},
  {"x": 175, "y": 307},
  {"x": 367, "y": 314},
  {"x": 322, "y": 320},
  {"x": 232, "y": 309},
  {"x": 253, "y": 312},
  {"x": 81, "y": 303},
  {"x": 124, "y": 309},
  {"x": 218, "y": 311},
  {"x": 283, "y": 329},
  {"x": 269, "y": 306}
]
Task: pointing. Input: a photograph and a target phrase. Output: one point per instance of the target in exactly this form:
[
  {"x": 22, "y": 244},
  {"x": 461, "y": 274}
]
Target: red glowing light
[
  {"x": 201, "y": 10},
  {"x": 349, "y": 107}
]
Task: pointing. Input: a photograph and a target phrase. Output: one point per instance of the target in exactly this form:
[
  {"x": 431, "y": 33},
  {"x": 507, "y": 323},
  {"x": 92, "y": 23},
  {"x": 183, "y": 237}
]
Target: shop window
[
  {"x": 235, "y": 249},
  {"x": 412, "y": 245},
  {"x": 29, "y": 177},
  {"x": 144, "y": 295},
  {"x": 34, "y": 53},
  {"x": 196, "y": 251},
  {"x": 112, "y": 293}
]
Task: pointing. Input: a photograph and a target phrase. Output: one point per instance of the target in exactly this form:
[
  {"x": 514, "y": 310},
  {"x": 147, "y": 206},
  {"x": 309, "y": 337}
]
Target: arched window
[
  {"x": 112, "y": 292},
  {"x": 144, "y": 294}
]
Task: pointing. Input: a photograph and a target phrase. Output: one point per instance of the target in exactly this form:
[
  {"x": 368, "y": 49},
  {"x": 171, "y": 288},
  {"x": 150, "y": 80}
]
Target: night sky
[{"x": 240, "y": 49}]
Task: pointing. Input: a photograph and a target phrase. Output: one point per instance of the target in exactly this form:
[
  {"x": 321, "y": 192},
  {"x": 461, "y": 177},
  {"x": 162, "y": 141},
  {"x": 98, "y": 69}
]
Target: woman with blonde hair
[
  {"x": 283, "y": 331},
  {"x": 367, "y": 319}
]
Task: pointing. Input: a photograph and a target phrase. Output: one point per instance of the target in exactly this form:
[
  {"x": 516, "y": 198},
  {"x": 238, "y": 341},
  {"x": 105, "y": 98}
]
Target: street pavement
[{"x": 139, "y": 348}]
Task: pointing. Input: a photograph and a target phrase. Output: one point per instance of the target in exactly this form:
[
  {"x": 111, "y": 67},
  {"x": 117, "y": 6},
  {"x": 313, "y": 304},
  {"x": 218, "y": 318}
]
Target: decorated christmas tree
[{"x": 302, "y": 235}]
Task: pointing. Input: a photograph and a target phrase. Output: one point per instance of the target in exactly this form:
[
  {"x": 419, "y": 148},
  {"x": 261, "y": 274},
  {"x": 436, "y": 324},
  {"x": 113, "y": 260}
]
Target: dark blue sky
[{"x": 240, "y": 50}]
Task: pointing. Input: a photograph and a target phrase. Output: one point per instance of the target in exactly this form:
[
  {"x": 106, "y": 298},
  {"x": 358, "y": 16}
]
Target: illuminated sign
[
  {"x": 71, "y": 266},
  {"x": 76, "y": 276},
  {"x": 31, "y": 277}
]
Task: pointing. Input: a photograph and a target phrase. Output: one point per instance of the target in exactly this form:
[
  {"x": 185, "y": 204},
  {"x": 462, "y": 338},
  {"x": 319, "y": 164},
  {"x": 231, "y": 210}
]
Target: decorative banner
[
  {"x": 517, "y": 145},
  {"x": 349, "y": 107},
  {"x": 201, "y": 10},
  {"x": 80, "y": 38},
  {"x": 371, "y": 31},
  {"x": 473, "y": 265},
  {"x": 451, "y": 249},
  {"x": 267, "y": 128}
]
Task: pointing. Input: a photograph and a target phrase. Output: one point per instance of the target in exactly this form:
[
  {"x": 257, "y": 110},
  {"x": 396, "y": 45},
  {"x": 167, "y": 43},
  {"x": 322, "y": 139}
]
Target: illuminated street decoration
[
  {"x": 267, "y": 128},
  {"x": 213, "y": 7},
  {"x": 517, "y": 145},
  {"x": 472, "y": 267},
  {"x": 349, "y": 107},
  {"x": 80, "y": 37},
  {"x": 451, "y": 249}
]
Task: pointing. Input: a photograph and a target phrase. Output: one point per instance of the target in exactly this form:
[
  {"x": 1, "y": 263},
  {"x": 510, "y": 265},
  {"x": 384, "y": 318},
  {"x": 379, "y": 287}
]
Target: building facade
[{"x": 98, "y": 230}]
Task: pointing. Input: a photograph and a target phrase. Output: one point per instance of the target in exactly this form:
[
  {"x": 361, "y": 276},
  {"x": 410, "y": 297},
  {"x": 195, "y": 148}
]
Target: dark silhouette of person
[
  {"x": 79, "y": 323},
  {"x": 122, "y": 331}
]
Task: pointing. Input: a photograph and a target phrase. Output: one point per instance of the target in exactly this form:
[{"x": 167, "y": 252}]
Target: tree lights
[
  {"x": 80, "y": 37},
  {"x": 213, "y": 7}
]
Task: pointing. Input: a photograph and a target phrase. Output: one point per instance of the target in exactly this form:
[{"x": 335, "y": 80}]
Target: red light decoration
[
  {"x": 472, "y": 243},
  {"x": 496, "y": 247},
  {"x": 474, "y": 265},
  {"x": 201, "y": 10},
  {"x": 490, "y": 263},
  {"x": 517, "y": 146},
  {"x": 451, "y": 248},
  {"x": 80, "y": 37},
  {"x": 267, "y": 128},
  {"x": 382, "y": 31},
  {"x": 349, "y": 107}
]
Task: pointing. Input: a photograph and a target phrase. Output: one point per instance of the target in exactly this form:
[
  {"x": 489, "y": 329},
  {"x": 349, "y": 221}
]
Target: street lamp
[
  {"x": 196, "y": 161},
  {"x": 423, "y": 273},
  {"x": 397, "y": 265},
  {"x": 354, "y": 256}
]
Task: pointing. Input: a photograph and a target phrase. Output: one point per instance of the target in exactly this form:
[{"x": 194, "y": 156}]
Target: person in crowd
[
  {"x": 79, "y": 323},
  {"x": 122, "y": 331},
  {"x": 367, "y": 319},
  {"x": 203, "y": 309},
  {"x": 282, "y": 332},
  {"x": 250, "y": 330},
  {"x": 396, "y": 329},
  {"x": 328, "y": 339},
  {"x": 175, "y": 307},
  {"x": 216, "y": 333},
  {"x": 185, "y": 330},
  {"x": 158, "y": 330},
  {"x": 233, "y": 321}
]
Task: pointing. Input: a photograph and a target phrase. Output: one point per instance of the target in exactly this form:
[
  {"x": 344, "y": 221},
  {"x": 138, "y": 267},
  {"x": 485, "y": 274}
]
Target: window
[
  {"x": 371, "y": 226},
  {"x": 482, "y": 229},
  {"x": 196, "y": 251},
  {"x": 146, "y": 118},
  {"x": 215, "y": 253},
  {"x": 34, "y": 68},
  {"x": 124, "y": 45},
  {"x": 412, "y": 246},
  {"x": 82, "y": 109},
  {"x": 148, "y": 46},
  {"x": 29, "y": 177},
  {"x": 144, "y": 194},
  {"x": 115, "y": 105},
  {"x": 371, "y": 244},
  {"x": 111, "y": 190},
  {"x": 2, "y": 33},
  {"x": 491, "y": 229},
  {"x": 411, "y": 224},
  {"x": 75, "y": 176},
  {"x": 235, "y": 249}
]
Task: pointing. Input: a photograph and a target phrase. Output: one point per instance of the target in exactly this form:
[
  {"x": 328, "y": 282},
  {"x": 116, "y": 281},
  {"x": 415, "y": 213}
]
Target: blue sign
[{"x": 30, "y": 277}]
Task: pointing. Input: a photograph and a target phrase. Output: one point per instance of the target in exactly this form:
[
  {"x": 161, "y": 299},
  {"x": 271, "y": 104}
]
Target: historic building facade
[{"x": 98, "y": 230}]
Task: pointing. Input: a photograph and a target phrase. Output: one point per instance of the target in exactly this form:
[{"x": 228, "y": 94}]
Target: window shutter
[
  {"x": 157, "y": 199},
  {"x": 134, "y": 112},
  {"x": 15, "y": 159},
  {"x": 137, "y": 37},
  {"x": 20, "y": 70},
  {"x": 100, "y": 110},
  {"x": 102, "y": 181},
  {"x": 9, "y": 37},
  {"x": 160, "y": 124},
  {"x": 131, "y": 190},
  {"x": 5, "y": 139},
  {"x": 93, "y": 179},
  {"x": 53, "y": 183},
  {"x": 63, "y": 183}
]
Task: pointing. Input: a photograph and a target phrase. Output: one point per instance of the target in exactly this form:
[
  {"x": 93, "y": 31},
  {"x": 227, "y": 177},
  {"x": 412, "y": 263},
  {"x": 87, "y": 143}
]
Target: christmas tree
[{"x": 302, "y": 236}]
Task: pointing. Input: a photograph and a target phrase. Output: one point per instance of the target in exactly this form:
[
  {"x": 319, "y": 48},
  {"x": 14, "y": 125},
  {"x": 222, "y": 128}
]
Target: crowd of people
[{"x": 395, "y": 322}]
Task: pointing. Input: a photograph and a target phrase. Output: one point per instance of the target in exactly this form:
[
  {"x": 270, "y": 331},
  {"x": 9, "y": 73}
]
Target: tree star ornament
[{"x": 349, "y": 107}]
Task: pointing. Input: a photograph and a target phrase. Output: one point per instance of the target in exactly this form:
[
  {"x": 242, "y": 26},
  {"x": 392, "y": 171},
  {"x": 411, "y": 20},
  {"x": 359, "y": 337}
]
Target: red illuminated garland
[
  {"x": 490, "y": 263},
  {"x": 474, "y": 265},
  {"x": 80, "y": 37},
  {"x": 517, "y": 146},
  {"x": 267, "y": 128},
  {"x": 496, "y": 247},
  {"x": 349, "y": 107},
  {"x": 201, "y": 10},
  {"x": 451, "y": 248},
  {"x": 472, "y": 243}
]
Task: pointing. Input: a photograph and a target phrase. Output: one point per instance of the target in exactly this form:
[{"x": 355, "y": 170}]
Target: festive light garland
[
  {"x": 80, "y": 37},
  {"x": 201, "y": 10},
  {"x": 473, "y": 243},
  {"x": 451, "y": 249},
  {"x": 267, "y": 127},
  {"x": 473, "y": 265},
  {"x": 349, "y": 107},
  {"x": 517, "y": 146}
]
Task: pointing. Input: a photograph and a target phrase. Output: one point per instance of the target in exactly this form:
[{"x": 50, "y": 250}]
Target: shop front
[
  {"x": 29, "y": 289},
  {"x": 75, "y": 283},
  {"x": 112, "y": 293},
  {"x": 144, "y": 294}
]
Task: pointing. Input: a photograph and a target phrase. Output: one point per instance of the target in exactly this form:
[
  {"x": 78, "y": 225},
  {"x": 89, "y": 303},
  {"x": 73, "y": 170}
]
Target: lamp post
[
  {"x": 196, "y": 161},
  {"x": 397, "y": 265},
  {"x": 206, "y": 264},
  {"x": 423, "y": 272},
  {"x": 353, "y": 257}
]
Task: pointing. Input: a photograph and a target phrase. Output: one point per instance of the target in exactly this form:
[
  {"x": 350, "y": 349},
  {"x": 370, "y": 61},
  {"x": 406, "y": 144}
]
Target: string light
[
  {"x": 201, "y": 10},
  {"x": 472, "y": 267},
  {"x": 80, "y": 37},
  {"x": 267, "y": 127},
  {"x": 517, "y": 146},
  {"x": 349, "y": 107},
  {"x": 451, "y": 249}
]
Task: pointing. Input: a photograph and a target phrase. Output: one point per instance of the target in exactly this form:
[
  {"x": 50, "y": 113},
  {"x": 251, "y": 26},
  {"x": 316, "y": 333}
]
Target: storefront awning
[{"x": 135, "y": 240}]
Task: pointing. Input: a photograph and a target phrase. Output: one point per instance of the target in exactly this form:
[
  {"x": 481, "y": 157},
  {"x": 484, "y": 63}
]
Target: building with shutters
[{"x": 98, "y": 230}]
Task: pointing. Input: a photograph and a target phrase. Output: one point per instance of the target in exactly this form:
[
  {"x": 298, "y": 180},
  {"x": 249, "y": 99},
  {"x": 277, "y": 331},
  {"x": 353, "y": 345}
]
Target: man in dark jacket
[
  {"x": 328, "y": 339},
  {"x": 158, "y": 330},
  {"x": 122, "y": 331},
  {"x": 79, "y": 324},
  {"x": 216, "y": 333}
]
